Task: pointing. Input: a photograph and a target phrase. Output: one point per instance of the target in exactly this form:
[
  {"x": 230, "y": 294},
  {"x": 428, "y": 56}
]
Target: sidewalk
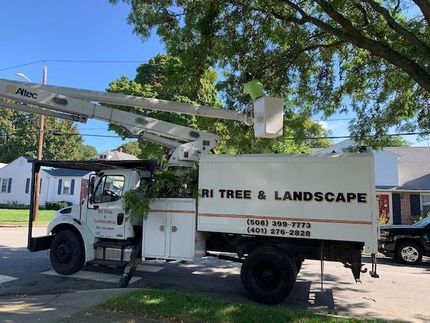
[{"x": 71, "y": 307}]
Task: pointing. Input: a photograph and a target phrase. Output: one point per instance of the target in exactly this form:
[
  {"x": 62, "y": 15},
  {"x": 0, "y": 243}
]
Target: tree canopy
[
  {"x": 19, "y": 137},
  {"x": 369, "y": 57},
  {"x": 166, "y": 77}
]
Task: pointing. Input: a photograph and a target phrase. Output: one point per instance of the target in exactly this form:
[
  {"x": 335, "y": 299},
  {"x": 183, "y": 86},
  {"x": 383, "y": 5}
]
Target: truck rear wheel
[
  {"x": 67, "y": 253},
  {"x": 268, "y": 275}
]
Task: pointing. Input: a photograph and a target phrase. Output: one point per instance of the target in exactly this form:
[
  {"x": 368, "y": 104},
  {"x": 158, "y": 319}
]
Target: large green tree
[
  {"x": 166, "y": 77},
  {"x": 19, "y": 137},
  {"x": 366, "y": 56}
]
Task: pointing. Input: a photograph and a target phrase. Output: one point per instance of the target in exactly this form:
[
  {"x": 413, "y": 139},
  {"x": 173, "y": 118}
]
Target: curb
[{"x": 22, "y": 226}]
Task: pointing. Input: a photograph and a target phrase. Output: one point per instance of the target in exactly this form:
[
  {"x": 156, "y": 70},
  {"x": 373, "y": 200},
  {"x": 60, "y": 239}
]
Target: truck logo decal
[
  {"x": 336, "y": 197},
  {"x": 20, "y": 91},
  {"x": 28, "y": 94}
]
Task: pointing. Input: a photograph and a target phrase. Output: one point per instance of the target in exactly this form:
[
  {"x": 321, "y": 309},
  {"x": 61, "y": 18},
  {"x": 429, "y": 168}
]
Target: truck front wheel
[
  {"x": 268, "y": 275},
  {"x": 67, "y": 253}
]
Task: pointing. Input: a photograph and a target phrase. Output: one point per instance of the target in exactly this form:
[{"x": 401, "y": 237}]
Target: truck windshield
[
  {"x": 109, "y": 189},
  {"x": 423, "y": 223}
]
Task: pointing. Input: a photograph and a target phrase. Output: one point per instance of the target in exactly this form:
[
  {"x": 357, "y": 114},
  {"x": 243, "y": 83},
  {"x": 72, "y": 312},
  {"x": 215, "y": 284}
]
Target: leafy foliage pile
[{"x": 167, "y": 183}]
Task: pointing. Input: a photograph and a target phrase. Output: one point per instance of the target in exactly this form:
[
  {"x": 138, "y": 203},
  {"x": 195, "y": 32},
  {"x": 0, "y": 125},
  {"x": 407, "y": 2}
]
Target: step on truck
[{"x": 268, "y": 212}]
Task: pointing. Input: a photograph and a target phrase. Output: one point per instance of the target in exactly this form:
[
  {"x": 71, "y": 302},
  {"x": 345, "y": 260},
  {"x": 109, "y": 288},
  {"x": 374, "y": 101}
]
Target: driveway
[{"x": 401, "y": 293}]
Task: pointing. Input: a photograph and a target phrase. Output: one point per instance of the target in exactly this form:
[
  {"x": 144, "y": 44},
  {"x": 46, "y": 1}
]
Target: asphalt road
[{"x": 401, "y": 293}]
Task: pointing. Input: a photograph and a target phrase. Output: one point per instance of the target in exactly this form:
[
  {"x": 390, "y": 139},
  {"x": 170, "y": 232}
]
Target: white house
[
  {"x": 55, "y": 184},
  {"x": 64, "y": 185},
  {"x": 15, "y": 182}
]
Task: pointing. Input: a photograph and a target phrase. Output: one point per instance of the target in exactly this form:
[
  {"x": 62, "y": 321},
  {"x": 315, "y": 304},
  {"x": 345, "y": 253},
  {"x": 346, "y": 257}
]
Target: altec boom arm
[{"x": 188, "y": 144}]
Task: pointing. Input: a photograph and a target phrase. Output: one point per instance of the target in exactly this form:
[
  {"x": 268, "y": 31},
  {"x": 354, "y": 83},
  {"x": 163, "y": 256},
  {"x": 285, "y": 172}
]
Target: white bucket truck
[{"x": 268, "y": 212}]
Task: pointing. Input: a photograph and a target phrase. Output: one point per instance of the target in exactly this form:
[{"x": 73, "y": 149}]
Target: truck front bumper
[{"x": 40, "y": 243}]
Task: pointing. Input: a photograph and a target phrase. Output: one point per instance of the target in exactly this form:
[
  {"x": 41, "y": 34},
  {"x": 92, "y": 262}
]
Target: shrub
[
  {"x": 14, "y": 206},
  {"x": 57, "y": 205}
]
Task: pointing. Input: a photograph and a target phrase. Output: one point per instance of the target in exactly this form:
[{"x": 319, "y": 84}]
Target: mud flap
[{"x": 40, "y": 243}]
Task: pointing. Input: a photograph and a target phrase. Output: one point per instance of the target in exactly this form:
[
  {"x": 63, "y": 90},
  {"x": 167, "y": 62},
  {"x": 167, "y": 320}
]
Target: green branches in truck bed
[{"x": 167, "y": 183}]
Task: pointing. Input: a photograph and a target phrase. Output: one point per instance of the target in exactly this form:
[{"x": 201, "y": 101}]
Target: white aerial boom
[{"x": 187, "y": 144}]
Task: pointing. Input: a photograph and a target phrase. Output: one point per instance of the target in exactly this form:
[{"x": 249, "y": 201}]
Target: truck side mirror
[{"x": 91, "y": 188}]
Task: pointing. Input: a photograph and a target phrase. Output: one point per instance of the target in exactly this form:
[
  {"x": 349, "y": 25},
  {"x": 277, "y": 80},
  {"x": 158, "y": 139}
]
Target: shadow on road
[{"x": 210, "y": 277}]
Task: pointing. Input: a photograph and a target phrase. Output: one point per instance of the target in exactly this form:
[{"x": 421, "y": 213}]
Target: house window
[
  {"x": 27, "y": 186},
  {"x": 5, "y": 185},
  {"x": 425, "y": 204},
  {"x": 66, "y": 187}
]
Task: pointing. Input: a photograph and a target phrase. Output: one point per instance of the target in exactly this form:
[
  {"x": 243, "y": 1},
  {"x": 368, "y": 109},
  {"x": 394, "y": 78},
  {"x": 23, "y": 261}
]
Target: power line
[
  {"x": 85, "y": 128},
  {"x": 369, "y": 136},
  {"x": 97, "y": 61},
  {"x": 93, "y": 61},
  {"x": 338, "y": 119},
  {"x": 21, "y": 65},
  {"x": 59, "y": 133}
]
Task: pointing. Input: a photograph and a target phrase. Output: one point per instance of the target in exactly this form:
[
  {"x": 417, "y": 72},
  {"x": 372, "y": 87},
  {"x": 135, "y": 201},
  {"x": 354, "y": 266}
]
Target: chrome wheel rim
[{"x": 410, "y": 254}]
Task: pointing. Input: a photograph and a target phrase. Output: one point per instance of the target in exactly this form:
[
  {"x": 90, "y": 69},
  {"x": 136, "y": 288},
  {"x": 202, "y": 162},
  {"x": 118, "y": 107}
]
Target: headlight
[{"x": 384, "y": 234}]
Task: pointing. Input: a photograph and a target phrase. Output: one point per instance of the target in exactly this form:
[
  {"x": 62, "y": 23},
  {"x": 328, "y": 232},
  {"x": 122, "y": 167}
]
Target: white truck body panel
[
  {"x": 169, "y": 231},
  {"x": 337, "y": 199}
]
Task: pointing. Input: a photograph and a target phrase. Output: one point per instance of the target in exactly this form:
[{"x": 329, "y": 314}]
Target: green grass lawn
[
  {"x": 185, "y": 307},
  {"x": 20, "y": 217}
]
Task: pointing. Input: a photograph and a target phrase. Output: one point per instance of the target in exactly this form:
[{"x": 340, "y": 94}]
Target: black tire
[
  {"x": 67, "y": 253},
  {"x": 409, "y": 253},
  {"x": 268, "y": 275}
]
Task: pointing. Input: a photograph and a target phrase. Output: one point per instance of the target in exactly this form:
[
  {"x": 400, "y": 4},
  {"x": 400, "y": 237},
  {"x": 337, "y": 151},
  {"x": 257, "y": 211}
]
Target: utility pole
[{"x": 40, "y": 149}]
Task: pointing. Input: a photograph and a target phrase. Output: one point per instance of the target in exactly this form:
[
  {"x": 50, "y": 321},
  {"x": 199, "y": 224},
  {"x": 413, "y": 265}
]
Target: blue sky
[
  {"x": 72, "y": 30},
  {"x": 81, "y": 30}
]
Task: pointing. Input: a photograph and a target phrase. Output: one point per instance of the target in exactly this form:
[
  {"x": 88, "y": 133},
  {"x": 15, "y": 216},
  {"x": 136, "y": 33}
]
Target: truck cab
[{"x": 98, "y": 229}]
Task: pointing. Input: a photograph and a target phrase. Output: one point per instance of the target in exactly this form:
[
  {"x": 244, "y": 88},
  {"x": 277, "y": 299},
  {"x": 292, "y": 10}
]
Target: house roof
[
  {"x": 414, "y": 167},
  {"x": 2, "y": 165},
  {"x": 336, "y": 148},
  {"x": 14, "y": 162},
  {"x": 66, "y": 172},
  {"x": 117, "y": 155}
]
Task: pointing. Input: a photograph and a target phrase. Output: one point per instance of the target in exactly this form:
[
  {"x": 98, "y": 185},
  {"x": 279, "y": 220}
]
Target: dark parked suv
[{"x": 407, "y": 243}]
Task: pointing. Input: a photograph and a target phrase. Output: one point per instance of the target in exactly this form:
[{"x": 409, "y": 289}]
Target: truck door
[{"x": 105, "y": 213}]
